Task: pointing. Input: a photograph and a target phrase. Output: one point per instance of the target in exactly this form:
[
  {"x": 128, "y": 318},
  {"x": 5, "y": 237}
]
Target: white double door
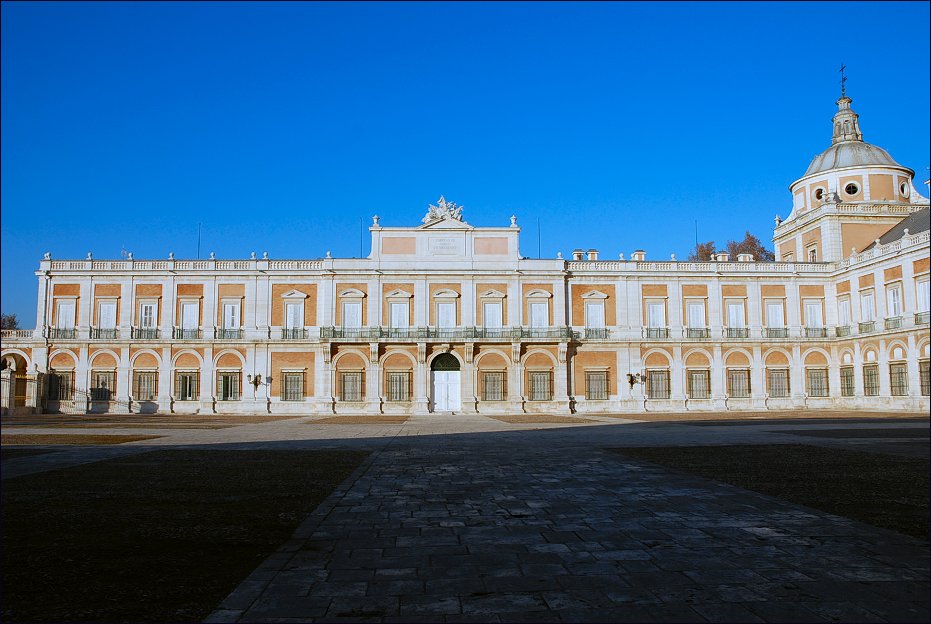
[{"x": 446, "y": 391}]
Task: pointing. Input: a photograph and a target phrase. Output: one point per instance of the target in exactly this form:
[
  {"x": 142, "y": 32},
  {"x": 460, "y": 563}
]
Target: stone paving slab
[{"x": 484, "y": 530}]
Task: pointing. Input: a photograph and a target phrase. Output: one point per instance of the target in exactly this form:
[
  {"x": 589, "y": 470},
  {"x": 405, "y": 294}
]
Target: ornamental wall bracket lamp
[
  {"x": 257, "y": 380},
  {"x": 635, "y": 379}
]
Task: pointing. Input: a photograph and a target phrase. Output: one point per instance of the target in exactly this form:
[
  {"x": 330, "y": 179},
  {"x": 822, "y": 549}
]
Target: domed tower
[{"x": 851, "y": 193}]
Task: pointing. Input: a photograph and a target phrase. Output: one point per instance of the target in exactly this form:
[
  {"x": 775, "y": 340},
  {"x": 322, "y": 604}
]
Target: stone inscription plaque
[{"x": 446, "y": 246}]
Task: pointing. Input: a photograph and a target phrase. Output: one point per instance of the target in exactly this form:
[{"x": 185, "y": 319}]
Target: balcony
[
  {"x": 843, "y": 331},
  {"x": 62, "y": 333},
  {"x": 922, "y": 318},
  {"x": 98, "y": 333},
  {"x": 776, "y": 332},
  {"x": 597, "y": 333},
  {"x": 697, "y": 332},
  {"x": 179, "y": 333},
  {"x": 14, "y": 334},
  {"x": 738, "y": 332},
  {"x": 816, "y": 332},
  {"x": 894, "y": 322},
  {"x": 228, "y": 334},
  {"x": 656, "y": 332},
  {"x": 421, "y": 334},
  {"x": 293, "y": 333},
  {"x": 867, "y": 327},
  {"x": 145, "y": 333}
]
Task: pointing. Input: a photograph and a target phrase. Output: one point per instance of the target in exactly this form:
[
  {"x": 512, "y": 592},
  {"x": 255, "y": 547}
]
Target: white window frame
[
  {"x": 656, "y": 304},
  {"x": 143, "y": 303},
  {"x": 923, "y": 294},
  {"x": 100, "y": 305},
  {"x": 294, "y": 298},
  {"x": 894, "y": 307},
  {"x": 72, "y": 318},
  {"x": 594, "y": 301},
  {"x": 348, "y": 298},
  {"x": 769, "y": 304},
  {"x": 692, "y": 305},
  {"x": 843, "y": 311},
  {"x": 492, "y": 298},
  {"x": 730, "y": 304},
  {"x": 811, "y": 304},
  {"x": 867, "y": 305},
  {"x": 187, "y": 303},
  {"x": 535, "y": 299},
  {"x": 397, "y": 300},
  {"x": 445, "y": 300},
  {"x": 235, "y": 304}
]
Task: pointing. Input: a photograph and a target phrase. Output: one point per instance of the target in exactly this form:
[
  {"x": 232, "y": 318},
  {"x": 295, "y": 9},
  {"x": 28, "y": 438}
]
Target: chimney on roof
[
  {"x": 744, "y": 257},
  {"x": 639, "y": 256},
  {"x": 578, "y": 254},
  {"x": 721, "y": 256},
  {"x": 592, "y": 254}
]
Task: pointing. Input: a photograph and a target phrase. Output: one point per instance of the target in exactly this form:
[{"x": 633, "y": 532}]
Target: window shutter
[
  {"x": 594, "y": 315},
  {"x": 492, "y": 315},
  {"x": 538, "y": 315},
  {"x": 735, "y": 315},
  {"x": 107, "y": 318}
]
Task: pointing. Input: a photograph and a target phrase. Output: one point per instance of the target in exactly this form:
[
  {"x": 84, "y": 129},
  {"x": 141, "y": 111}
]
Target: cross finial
[{"x": 843, "y": 81}]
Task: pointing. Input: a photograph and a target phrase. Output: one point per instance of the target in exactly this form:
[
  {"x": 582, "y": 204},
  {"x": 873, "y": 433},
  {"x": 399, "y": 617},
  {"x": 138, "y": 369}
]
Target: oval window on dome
[
  {"x": 819, "y": 194},
  {"x": 852, "y": 188},
  {"x": 903, "y": 189}
]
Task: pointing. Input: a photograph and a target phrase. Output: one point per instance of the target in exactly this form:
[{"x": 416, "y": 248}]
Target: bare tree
[
  {"x": 750, "y": 245},
  {"x": 703, "y": 252},
  {"x": 9, "y": 321}
]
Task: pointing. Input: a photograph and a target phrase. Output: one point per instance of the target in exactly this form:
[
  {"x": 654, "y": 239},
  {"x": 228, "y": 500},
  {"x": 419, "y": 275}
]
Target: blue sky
[{"x": 279, "y": 126}]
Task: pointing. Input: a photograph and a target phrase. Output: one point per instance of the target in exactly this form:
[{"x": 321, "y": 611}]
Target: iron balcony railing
[
  {"x": 179, "y": 333},
  {"x": 867, "y": 327},
  {"x": 894, "y": 322},
  {"x": 738, "y": 332},
  {"x": 62, "y": 333},
  {"x": 843, "y": 330},
  {"x": 99, "y": 333},
  {"x": 656, "y": 332},
  {"x": 922, "y": 318},
  {"x": 228, "y": 334},
  {"x": 508, "y": 334},
  {"x": 293, "y": 333},
  {"x": 145, "y": 333},
  {"x": 597, "y": 333},
  {"x": 816, "y": 332},
  {"x": 776, "y": 332},
  {"x": 697, "y": 332}
]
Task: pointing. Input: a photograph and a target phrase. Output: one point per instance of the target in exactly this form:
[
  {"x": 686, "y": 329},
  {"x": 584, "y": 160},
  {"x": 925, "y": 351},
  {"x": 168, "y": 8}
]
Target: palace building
[{"x": 445, "y": 317}]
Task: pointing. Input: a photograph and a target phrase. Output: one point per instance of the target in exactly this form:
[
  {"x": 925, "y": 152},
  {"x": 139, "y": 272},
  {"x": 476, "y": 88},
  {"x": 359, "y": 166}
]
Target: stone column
[
  {"x": 207, "y": 373},
  {"x": 323, "y": 379},
  {"x": 467, "y": 382},
  {"x": 124, "y": 377},
  {"x": 515, "y": 380},
  {"x": 758, "y": 378},
  {"x": 373, "y": 381},
  {"x": 677, "y": 375},
  {"x": 914, "y": 372},
  {"x": 718, "y": 387},
  {"x": 165, "y": 374},
  {"x": 7, "y": 391},
  {"x": 421, "y": 381},
  {"x": 797, "y": 377},
  {"x": 561, "y": 381},
  {"x": 82, "y": 381},
  {"x": 857, "y": 372},
  {"x": 885, "y": 388}
]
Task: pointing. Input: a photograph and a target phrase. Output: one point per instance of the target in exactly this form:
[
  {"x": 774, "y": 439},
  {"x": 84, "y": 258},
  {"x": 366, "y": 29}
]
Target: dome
[{"x": 850, "y": 154}]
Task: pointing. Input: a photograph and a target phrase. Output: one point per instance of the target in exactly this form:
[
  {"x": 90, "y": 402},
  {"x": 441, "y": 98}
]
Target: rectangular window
[
  {"x": 446, "y": 315},
  {"x": 494, "y": 386},
  {"x": 231, "y": 315},
  {"x": 658, "y": 384},
  {"x": 696, "y": 314},
  {"x": 813, "y": 254},
  {"x": 656, "y": 314},
  {"x": 735, "y": 314},
  {"x": 539, "y": 314},
  {"x": 541, "y": 385},
  {"x": 775, "y": 315},
  {"x": 148, "y": 315},
  {"x": 292, "y": 385},
  {"x": 699, "y": 384},
  {"x": 106, "y": 315},
  {"x": 294, "y": 315},
  {"x": 400, "y": 315},
  {"x": 187, "y": 385},
  {"x": 60, "y": 386},
  {"x": 846, "y": 381},
  {"x": 867, "y": 309},
  {"x": 843, "y": 312},
  {"x": 65, "y": 316},
  {"x": 350, "y": 385},
  {"x": 894, "y": 301},
  {"x": 102, "y": 385},
  {"x": 596, "y": 385},
  {"x": 399, "y": 385},
  {"x": 491, "y": 315},
  {"x": 352, "y": 315},
  {"x": 738, "y": 383},
  {"x": 924, "y": 368},
  {"x": 924, "y": 296},
  {"x": 777, "y": 382},
  {"x": 817, "y": 379},
  {"x": 145, "y": 385},
  {"x": 813, "y": 316},
  {"x": 228, "y": 386},
  {"x": 898, "y": 379},
  {"x": 594, "y": 314},
  {"x": 871, "y": 380}
]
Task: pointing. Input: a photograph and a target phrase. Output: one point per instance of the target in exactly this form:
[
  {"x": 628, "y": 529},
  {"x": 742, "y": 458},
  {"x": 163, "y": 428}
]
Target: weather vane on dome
[{"x": 843, "y": 81}]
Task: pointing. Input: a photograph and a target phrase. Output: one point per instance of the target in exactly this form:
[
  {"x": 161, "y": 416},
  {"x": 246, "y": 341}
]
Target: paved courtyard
[{"x": 469, "y": 519}]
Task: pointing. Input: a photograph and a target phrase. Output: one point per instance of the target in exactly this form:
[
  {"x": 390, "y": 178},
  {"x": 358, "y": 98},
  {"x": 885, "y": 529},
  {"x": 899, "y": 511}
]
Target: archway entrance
[{"x": 445, "y": 375}]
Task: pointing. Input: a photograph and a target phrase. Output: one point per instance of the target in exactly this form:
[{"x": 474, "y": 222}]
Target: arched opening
[
  {"x": 446, "y": 383},
  {"x": 17, "y": 365}
]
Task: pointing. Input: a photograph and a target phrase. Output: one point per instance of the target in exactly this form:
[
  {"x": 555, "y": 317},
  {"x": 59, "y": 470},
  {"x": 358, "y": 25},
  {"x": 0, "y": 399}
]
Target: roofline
[{"x": 812, "y": 175}]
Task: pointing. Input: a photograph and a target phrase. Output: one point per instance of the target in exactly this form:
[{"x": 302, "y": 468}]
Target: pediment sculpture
[{"x": 443, "y": 210}]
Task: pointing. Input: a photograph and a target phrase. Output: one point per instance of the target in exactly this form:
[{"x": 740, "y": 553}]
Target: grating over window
[
  {"x": 738, "y": 383},
  {"x": 924, "y": 367},
  {"x": 541, "y": 385},
  {"x": 399, "y": 385},
  {"x": 777, "y": 382},
  {"x": 898, "y": 379},
  {"x": 61, "y": 386},
  {"x": 871, "y": 380},
  {"x": 145, "y": 385},
  {"x": 187, "y": 385},
  {"x": 817, "y": 379},
  {"x": 292, "y": 386},
  {"x": 350, "y": 386},
  {"x": 699, "y": 384},
  {"x": 596, "y": 385},
  {"x": 494, "y": 386},
  {"x": 102, "y": 385},
  {"x": 658, "y": 384},
  {"x": 228, "y": 386},
  {"x": 846, "y": 381}
]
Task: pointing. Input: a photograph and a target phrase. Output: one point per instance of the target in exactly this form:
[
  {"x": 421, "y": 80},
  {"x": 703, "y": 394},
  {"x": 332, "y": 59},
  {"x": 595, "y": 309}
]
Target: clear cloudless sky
[{"x": 278, "y": 126}]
